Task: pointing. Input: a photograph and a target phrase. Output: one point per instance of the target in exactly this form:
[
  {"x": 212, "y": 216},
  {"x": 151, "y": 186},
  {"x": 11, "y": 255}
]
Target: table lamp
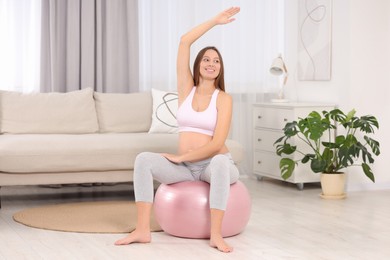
[{"x": 278, "y": 68}]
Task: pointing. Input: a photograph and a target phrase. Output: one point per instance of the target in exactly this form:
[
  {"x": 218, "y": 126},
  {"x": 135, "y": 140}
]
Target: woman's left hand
[{"x": 172, "y": 157}]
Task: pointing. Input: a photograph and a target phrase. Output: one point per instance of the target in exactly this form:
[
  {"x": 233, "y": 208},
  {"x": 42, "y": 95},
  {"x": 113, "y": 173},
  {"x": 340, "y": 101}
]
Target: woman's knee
[
  {"x": 220, "y": 159},
  {"x": 221, "y": 165},
  {"x": 145, "y": 158}
]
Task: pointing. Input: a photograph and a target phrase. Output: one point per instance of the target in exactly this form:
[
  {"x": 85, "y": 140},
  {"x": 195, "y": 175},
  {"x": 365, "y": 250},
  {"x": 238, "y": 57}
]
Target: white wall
[{"x": 360, "y": 72}]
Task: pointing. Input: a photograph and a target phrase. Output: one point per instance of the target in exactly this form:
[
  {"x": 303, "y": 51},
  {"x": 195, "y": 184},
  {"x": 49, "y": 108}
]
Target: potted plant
[{"x": 331, "y": 142}]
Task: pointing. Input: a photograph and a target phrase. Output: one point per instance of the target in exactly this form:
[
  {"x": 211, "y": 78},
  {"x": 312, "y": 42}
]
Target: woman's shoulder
[
  {"x": 224, "y": 95},
  {"x": 224, "y": 98},
  {"x": 183, "y": 93}
]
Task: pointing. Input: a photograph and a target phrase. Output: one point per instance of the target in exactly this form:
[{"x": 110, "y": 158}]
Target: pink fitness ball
[{"x": 182, "y": 209}]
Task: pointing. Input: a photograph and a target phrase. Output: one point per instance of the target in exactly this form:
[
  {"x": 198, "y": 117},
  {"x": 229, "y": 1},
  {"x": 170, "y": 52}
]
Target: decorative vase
[{"x": 333, "y": 185}]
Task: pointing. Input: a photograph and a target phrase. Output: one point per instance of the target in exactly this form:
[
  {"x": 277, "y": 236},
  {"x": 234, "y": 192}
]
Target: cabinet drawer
[
  {"x": 267, "y": 163},
  {"x": 274, "y": 118},
  {"x": 265, "y": 139}
]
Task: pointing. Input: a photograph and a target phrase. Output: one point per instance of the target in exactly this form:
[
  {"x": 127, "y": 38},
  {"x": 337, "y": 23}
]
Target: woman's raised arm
[{"x": 185, "y": 80}]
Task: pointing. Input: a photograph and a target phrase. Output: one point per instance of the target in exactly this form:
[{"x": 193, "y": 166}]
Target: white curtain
[
  {"x": 248, "y": 47},
  {"x": 20, "y": 44}
]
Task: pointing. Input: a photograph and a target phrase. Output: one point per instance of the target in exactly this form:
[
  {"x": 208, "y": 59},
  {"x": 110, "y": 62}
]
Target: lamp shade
[{"x": 278, "y": 67}]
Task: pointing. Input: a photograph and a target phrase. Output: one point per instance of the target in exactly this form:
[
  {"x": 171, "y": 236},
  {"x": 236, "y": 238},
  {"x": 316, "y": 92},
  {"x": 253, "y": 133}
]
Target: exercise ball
[{"x": 182, "y": 209}]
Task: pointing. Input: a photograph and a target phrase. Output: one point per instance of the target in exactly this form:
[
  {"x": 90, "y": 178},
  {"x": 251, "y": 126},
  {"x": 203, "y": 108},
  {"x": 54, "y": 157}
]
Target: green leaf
[
  {"x": 340, "y": 140},
  {"x": 350, "y": 115},
  {"x": 290, "y": 129},
  {"x": 327, "y": 155},
  {"x": 318, "y": 165},
  {"x": 307, "y": 158},
  {"x": 368, "y": 172},
  {"x": 350, "y": 140},
  {"x": 346, "y": 156},
  {"x": 366, "y": 124},
  {"x": 336, "y": 115},
  {"x": 279, "y": 140},
  {"x": 285, "y": 149},
  {"x": 313, "y": 126},
  {"x": 366, "y": 155},
  {"x": 330, "y": 145},
  {"x": 287, "y": 167},
  {"x": 373, "y": 144}
]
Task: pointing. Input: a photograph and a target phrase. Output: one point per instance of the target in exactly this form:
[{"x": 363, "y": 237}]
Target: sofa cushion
[
  {"x": 53, "y": 153},
  {"x": 72, "y": 153},
  {"x": 54, "y": 113},
  {"x": 123, "y": 113}
]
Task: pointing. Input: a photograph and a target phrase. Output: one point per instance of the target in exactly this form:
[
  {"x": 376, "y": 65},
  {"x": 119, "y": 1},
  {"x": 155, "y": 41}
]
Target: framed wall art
[{"x": 315, "y": 40}]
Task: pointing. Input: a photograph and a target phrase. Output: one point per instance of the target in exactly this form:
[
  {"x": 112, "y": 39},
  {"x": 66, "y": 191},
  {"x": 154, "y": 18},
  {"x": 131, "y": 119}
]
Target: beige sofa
[{"x": 80, "y": 137}]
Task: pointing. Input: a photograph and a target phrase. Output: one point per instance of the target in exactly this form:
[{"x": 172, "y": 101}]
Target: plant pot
[{"x": 333, "y": 185}]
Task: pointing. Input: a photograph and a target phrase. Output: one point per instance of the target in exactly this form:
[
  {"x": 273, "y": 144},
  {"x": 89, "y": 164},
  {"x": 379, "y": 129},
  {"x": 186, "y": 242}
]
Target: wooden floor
[{"x": 285, "y": 224}]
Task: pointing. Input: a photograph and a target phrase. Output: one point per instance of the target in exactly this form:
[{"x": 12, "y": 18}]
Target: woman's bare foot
[
  {"x": 135, "y": 237},
  {"x": 220, "y": 244}
]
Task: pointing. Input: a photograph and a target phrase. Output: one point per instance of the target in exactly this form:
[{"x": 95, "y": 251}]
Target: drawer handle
[
  {"x": 258, "y": 162},
  {"x": 259, "y": 139},
  {"x": 258, "y": 117},
  {"x": 285, "y": 120}
]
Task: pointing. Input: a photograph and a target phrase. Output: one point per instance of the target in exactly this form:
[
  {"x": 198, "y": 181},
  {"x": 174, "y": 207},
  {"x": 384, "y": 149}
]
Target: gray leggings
[{"x": 219, "y": 171}]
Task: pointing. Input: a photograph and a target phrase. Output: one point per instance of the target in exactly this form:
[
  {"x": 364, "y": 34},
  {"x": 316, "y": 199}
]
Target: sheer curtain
[
  {"x": 248, "y": 47},
  {"x": 20, "y": 45}
]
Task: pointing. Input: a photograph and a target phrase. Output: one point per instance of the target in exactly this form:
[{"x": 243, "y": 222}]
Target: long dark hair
[{"x": 219, "y": 80}]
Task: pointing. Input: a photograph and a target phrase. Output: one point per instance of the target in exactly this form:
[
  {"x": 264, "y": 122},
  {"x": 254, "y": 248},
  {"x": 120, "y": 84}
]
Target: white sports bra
[{"x": 203, "y": 122}]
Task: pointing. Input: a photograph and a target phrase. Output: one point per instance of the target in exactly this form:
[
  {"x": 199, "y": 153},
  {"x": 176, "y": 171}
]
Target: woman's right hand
[{"x": 226, "y": 16}]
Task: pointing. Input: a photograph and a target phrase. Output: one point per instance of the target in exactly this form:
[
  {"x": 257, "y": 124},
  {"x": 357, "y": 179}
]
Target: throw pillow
[
  {"x": 53, "y": 113},
  {"x": 165, "y": 106}
]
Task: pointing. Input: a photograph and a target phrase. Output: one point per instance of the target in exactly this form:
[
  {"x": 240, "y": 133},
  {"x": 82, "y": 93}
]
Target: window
[{"x": 20, "y": 25}]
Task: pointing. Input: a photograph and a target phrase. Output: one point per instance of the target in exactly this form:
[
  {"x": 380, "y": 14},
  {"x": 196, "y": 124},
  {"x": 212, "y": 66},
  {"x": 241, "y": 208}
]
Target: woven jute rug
[{"x": 84, "y": 217}]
